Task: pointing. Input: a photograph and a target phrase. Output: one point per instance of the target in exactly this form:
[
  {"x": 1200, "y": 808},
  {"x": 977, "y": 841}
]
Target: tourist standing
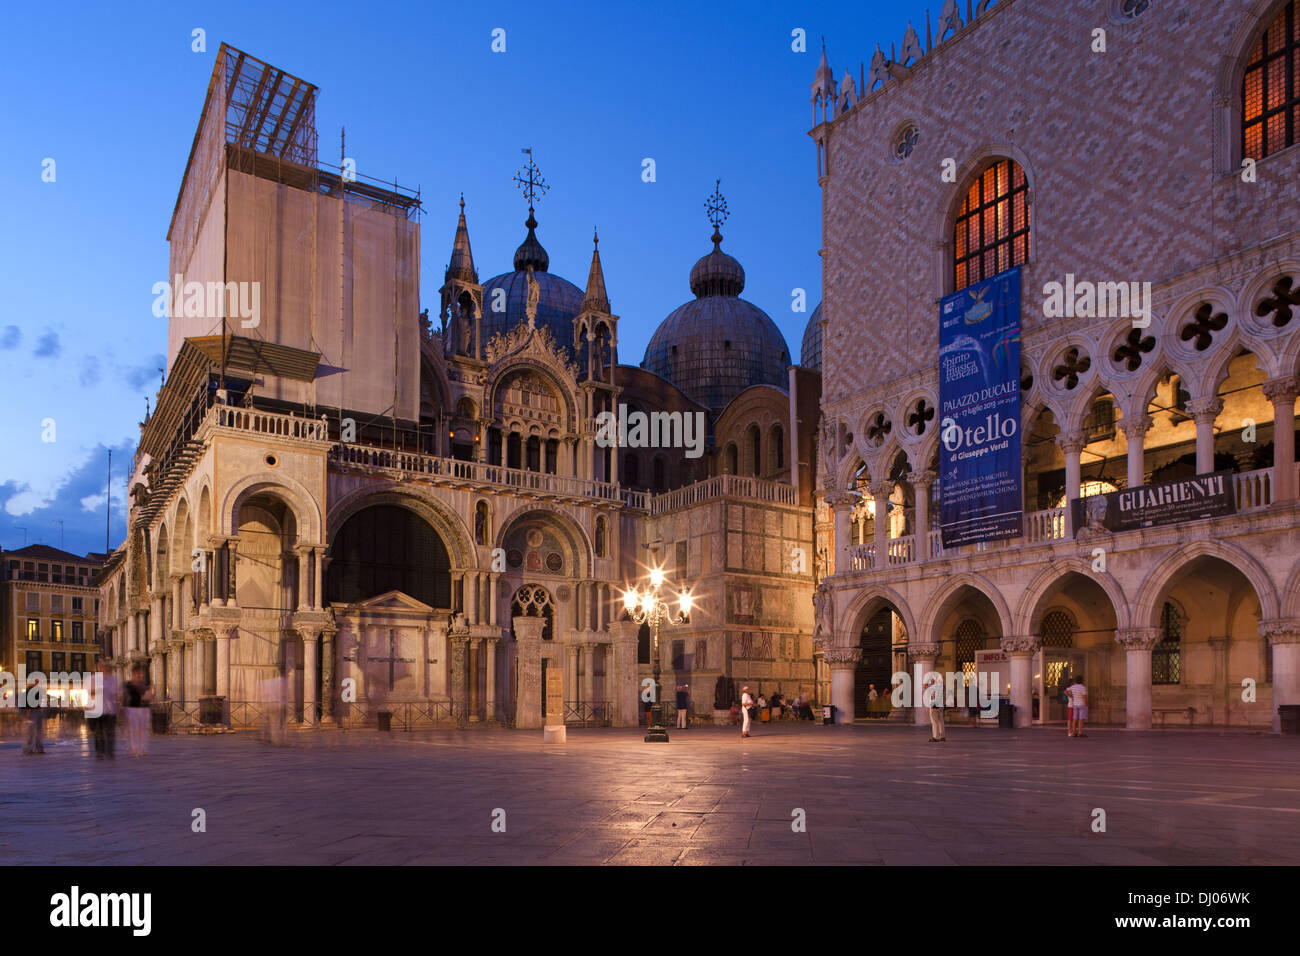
[
  {"x": 1078, "y": 692},
  {"x": 746, "y": 703},
  {"x": 936, "y": 689},
  {"x": 106, "y": 722},
  {"x": 683, "y": 704},
  {"x": 139, "y": 692}
]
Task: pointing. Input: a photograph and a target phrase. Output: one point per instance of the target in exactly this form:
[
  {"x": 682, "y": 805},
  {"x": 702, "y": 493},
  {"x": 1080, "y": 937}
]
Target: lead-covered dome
[
  {"x": 715, "y": 347},
  {"x": 559, "y": 300},
  {"x": 810, "y": 353}
]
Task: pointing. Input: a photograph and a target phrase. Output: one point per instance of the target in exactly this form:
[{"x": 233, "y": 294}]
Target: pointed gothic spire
[
  {"x": 462, "y": 260},
  {"x": 823, "y": 84},
  {"x": 595, "y": 299}
]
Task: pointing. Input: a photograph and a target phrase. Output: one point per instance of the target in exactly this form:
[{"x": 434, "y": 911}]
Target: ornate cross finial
[
  {"x": 530, "y": 180},
  {"x": 462, "y": 202},
  {"x": 716, "y": 207}
]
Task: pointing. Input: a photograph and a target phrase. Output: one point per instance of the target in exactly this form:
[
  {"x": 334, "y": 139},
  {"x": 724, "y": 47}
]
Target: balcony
[
  {"x": 457, "y": 473},
  {"x": 723, "y": 486},
  {"x": 1253, "y": 491}
]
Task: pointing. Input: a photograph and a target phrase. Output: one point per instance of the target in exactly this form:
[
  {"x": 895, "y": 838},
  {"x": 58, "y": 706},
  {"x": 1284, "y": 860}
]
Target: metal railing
[
  {"x": 404, "y": 715},
  {"x": 589, "y": 713}
]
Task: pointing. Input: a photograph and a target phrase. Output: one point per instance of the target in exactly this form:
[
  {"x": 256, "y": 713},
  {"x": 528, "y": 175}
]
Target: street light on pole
[{"x": 645, "y": 606}]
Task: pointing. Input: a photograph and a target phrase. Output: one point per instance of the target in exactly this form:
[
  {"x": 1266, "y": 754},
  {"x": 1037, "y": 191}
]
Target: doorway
[
  {"x": 1058, "y": 666},
  {"x": 876, "y": 642}
]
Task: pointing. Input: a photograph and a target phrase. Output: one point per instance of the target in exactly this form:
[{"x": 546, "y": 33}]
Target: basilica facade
[
  {"x": 372, "y": 506},
  {"x": 1151, "y": 147}
]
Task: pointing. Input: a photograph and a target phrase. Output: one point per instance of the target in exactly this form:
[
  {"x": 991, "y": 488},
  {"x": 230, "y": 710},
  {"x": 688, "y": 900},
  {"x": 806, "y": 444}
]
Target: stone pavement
[{"x": 877, "y": 794}]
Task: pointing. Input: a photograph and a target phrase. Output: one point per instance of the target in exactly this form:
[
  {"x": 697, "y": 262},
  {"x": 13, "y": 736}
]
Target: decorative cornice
[
  {"x": 524, "y": 338},
  {"x": 881, "y": 489},
  {"x": 921, "y": 478}
]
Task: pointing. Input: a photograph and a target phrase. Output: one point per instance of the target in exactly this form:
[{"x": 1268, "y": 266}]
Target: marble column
[
  {"x": 1071, "y": 445},
  {"x": 474, "y": 653},
  {"x": 471, "y": 597},
  {"x": 572, "y": 692},
  {"x": 841, "y": 503},
  {"x": 492, "y": 600},
  {"x": 922, "y": 658},
  {"x": 491, "y": 702},
  {"x": 1137, "y": 643},
  {"x": 328, "y": 690},
  {"x": 622, "y": 674},
  {"x": 459, "y": 700},
  {"x": 304, "y": 583},
  {"x": 528, "y": 706},
  {"x": 880, "y": 492},
  {"x": 1283, "y": 634},
  {"x": 1220, "y": 699},
  {"x": 843, "y": 662},
  {"x": 1021, "y": 650},
  {"x": 921, "y": 481},
  {"x": 1282, "y": 393},
  {"x": 589, "y": 672},
  {"x": 178, "y": 610},
  {"x": 310, "y": 645},
  {"x": 224, "y": 636},
  {"x": 232, "y": 592},
  {"x": 1204, "y": 411},
  {"x": 1135, "y": 431}
]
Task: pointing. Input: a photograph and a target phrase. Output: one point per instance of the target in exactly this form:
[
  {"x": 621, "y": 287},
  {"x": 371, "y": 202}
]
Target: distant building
[{"x": 49, "y": 611}]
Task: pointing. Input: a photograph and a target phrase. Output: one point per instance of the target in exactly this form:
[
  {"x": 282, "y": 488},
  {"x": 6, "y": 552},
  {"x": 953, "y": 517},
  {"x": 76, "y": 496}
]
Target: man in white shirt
[
  {"x": 1078, "y": 693},
  {"x": 937, "y": 701},
  {"x": 746, "y": 702}
]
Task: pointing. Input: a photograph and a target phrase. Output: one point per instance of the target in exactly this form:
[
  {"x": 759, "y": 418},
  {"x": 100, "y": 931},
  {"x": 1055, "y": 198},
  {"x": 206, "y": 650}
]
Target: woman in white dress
[{"x": 746, "y": 702}]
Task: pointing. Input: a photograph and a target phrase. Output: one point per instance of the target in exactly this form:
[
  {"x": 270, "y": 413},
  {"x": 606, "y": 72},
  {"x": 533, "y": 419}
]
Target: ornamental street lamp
[{"x": 645, "y": 606}]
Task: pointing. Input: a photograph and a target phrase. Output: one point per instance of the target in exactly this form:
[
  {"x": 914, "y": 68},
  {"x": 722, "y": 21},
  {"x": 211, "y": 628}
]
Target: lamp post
[{"x": 645, "y": 606}]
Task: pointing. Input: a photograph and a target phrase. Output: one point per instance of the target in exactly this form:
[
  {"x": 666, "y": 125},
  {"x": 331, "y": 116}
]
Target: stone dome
[
  {"x": 558, "y": 304},
  {"x": 718, "y": 345},
  {"x": 810, "y": 353}
]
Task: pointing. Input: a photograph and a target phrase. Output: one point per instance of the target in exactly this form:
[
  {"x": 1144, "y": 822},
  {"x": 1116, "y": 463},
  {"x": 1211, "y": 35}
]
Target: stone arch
[
  {"x": 865, "y": 603},
  {"x": 182, "y": 537},
  {"x": 573, "y": 530},
  {"x": 846, "y": 476},
  {"x": 500, "y": 376},
  {"x": 433, "y": 375},
  {"x": 303, "y": 504},
  {"x": 1291, "y": 602},
  {"x": 449, "y": 525},
  {"x": 951, "y": 198},
  {"x": 1146, "y": 606},
  {"x": 943, "y": 599},
  {"x": 1028, "y": 606},
  {"x": 163, "y": 556}
]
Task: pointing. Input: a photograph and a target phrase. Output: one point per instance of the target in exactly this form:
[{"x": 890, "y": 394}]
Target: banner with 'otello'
[{"x": 979, "y": 408}]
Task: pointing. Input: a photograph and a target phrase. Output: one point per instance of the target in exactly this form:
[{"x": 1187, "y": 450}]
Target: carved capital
[
  {"x": 1137, "y": 638},
  {"x": 1071, "y": 443},
  {"x": 842, "y": 656},
  {"x": 1205, "y": 410},
  {"x": 1280, "y": 630},
  {"x": 881, "y": 489},
  {"x": 923, "y": 652},
  {"x": 1024, "y": 645},
  {"x": 1135, "y": 428},
  {"x": 842, "y": 500},
  {"x": 1282, "y": 390},
  {"x": 921, "y": 478}
]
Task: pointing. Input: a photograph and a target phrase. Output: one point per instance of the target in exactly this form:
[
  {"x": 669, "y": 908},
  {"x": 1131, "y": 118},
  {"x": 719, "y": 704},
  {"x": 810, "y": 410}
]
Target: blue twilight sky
[{"x": 112, "y": 93}]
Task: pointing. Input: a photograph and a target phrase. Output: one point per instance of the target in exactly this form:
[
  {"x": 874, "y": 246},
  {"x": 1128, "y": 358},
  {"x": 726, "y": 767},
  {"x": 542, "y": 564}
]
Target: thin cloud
[
  {"x": 48, "y": 345},
  {"x": 90, "y": 372},
  {"x": 10, "y": 337}
]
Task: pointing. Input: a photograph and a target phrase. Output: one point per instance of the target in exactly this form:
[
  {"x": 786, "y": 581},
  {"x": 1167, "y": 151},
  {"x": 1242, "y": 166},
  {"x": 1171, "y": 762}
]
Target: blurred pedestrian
[
  {"x": 683, "y": 704},
  {"x": 106, "y": 723},
  {"x": 746, "y": 711},
  {"x": 936, "y": 689},
  {"x": 34, "y": 739},
  {"x": 139, "y": 693}
]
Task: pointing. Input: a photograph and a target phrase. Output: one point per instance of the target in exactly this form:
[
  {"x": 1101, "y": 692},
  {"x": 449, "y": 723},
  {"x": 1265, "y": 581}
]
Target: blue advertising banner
[{"x": 979, "y": 412}]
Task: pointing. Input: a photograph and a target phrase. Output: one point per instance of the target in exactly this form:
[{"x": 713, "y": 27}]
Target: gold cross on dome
[{"x": 530, "y": 180}]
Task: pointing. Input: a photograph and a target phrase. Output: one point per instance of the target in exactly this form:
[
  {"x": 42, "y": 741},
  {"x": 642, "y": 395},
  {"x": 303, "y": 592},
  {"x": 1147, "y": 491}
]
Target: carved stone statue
[
  {"x": 823, "y": 615},
  {"x": 534, "y": 296}
]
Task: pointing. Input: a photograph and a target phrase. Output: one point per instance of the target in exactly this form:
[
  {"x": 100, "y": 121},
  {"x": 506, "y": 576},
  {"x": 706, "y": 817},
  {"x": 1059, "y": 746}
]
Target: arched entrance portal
[
  {"x": 875, "y": 667},
  {"x": 388, "y": 548}
]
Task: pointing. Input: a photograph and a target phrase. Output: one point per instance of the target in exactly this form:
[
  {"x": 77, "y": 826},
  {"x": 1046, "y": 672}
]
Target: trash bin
[
  {"x": 1006, "y": 714},
  {"x": 828, "y": 714},
  {"x": 1290, "y": 714},
  {"x": 765, "y": 715},
  {"x": 385, "y": 720},
  {"x": 161, "y": 720},
  {"x": 211, "y": 709}
]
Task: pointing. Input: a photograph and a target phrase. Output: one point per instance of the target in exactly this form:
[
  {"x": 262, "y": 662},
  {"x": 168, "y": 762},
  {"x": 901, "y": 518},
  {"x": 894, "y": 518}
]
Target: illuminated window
[
  {"x": 991, "y": 233},
  {"x": 33, "y": 629},
  {"x": 56, "y": 631},
  {"x": 1270, "y": 89},
  {"x": 1100, "y": 423}
]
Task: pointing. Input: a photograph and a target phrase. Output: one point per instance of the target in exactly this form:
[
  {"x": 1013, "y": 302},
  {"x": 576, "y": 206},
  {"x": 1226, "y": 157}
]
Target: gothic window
[
  {"x": 777, "y": 441},
  {"x": 533, "y": 600},
  {"x": 967, "y": 639},
  {"x": 1270, "y": 88},
  {"x": 1166, "y": 657},
  {"x": 481, "y": 523},
  {"x": 1058, "y": 629},
  {"x": 755, "y": 451},
  {"x": 991, "y": 233}
]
